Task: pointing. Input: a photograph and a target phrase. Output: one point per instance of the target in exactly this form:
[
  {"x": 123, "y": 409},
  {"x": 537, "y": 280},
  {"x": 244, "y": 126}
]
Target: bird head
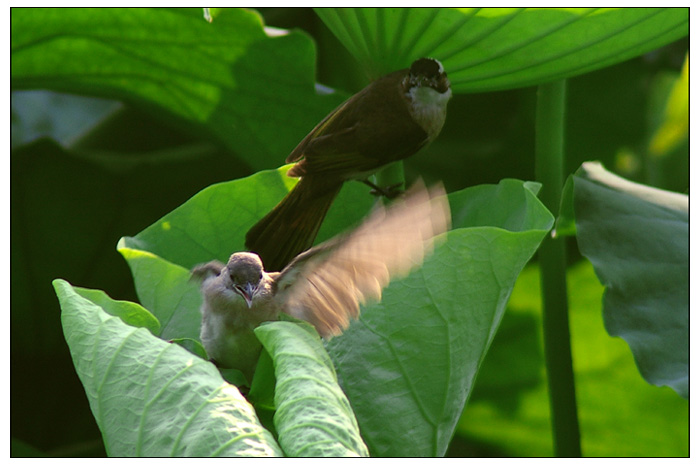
[{"x": 245, "y": 271}]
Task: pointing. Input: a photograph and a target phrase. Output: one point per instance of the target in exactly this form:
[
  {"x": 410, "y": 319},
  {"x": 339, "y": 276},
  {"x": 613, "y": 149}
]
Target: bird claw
[{"x": 390, "y": 192}]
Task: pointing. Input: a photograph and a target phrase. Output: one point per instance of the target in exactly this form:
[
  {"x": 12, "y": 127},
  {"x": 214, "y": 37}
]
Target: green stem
[{"x": 549, "y": 167}]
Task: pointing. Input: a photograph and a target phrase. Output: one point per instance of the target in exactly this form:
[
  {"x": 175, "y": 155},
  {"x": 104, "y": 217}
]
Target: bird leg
[{"x": 390, "y": 192}]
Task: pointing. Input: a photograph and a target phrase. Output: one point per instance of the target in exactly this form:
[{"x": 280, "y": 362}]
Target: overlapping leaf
[
  {"x": 313, "y": 418},
  {"x": 637, "y": 238},
  {"x": 151, "y": 398},
  {"x": 252, "y": 89}
]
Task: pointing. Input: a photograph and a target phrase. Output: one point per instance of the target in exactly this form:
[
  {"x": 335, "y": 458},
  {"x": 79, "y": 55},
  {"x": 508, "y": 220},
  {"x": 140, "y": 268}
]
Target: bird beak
[{"x": 247, "y": 293}]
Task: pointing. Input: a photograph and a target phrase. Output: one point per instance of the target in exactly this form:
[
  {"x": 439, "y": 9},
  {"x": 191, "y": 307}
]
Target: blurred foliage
[
  {"x": 85, "y": 172},
  {"x": 620, "y": 415}
]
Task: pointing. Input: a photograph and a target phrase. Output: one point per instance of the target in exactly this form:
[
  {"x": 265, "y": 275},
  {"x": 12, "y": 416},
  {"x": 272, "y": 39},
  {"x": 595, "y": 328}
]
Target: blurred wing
[{"x": 326, "y": 284}]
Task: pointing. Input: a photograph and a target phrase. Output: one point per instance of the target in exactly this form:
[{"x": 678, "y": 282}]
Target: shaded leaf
[
  {"x": 566, "y": 220},
  {"x": 151, "y": 398},
  {"x": 191, "y": 345},
  {"x": 262, "y": 391},
  {"x": 166, "y": 290},
  {"x": 637, "y": 238},
  {"x": 129, "y": 312}
]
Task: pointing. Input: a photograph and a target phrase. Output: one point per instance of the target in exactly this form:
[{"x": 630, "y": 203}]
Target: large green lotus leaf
[
  {"x": 409, "y": 363},
  {"x": 250, "y": 87},
  {"x": 637, "y": 238},
  {"x": 487, "y": 49},
  {"x": 151, "y": 398},
  {"x": 313, "y": 417}
]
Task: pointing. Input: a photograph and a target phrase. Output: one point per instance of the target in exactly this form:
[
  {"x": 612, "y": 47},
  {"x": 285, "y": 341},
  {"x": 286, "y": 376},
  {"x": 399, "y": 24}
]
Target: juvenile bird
[
  {"x": 324, "y": 285},
  {"x": 389, "y": 120}
]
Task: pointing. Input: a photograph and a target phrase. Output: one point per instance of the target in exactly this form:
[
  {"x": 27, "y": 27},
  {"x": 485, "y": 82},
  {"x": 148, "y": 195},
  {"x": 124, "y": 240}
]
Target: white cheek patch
[
  {"x": 421, "y": 96},
  {"x": 429, "y": 108}
]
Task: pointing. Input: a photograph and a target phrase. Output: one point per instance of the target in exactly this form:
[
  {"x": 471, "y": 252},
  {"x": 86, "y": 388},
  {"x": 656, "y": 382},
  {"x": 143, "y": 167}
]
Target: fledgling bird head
[
  {"x": 245, "y": 271},
  {"x": 241, "y": 276}
]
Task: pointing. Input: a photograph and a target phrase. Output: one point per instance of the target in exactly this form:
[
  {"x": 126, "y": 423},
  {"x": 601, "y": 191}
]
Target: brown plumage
[{"x": 389, "y": 120}]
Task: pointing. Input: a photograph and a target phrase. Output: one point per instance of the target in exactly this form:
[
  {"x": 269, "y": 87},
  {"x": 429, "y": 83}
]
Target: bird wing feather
[
  {"x": 206, "y": 270},
  {"x": 326, "y": 284}
]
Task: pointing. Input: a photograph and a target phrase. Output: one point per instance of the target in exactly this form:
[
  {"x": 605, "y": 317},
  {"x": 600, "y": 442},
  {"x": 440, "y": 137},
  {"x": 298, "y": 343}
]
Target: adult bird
[{"x": 389, "y": 120}]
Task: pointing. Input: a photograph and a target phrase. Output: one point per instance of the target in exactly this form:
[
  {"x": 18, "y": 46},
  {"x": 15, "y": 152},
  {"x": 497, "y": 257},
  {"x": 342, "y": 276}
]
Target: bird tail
[{"x": 291, "y": 227}]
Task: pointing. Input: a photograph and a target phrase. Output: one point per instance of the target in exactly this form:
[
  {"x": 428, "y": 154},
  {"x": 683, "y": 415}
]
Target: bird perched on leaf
[
  {"x": 389, "y": 120},
  {"x": 324, "y": 285}
]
